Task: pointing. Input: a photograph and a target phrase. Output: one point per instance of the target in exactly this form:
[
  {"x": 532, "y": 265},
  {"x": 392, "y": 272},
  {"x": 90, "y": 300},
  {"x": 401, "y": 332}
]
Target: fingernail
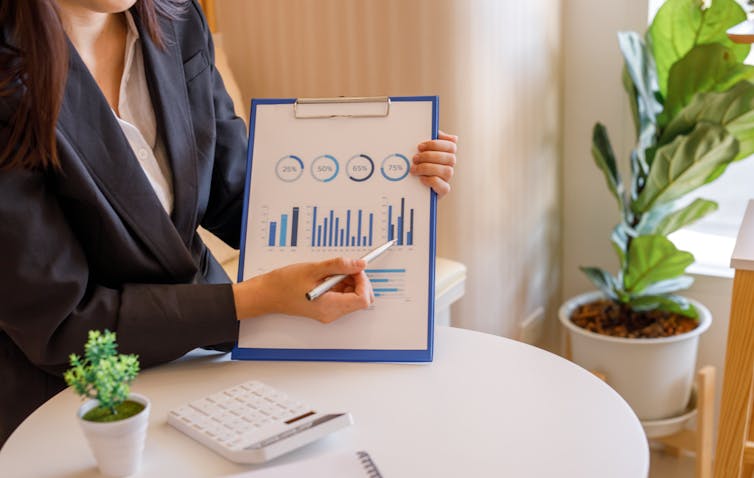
[{"x": 416, "y": 157}]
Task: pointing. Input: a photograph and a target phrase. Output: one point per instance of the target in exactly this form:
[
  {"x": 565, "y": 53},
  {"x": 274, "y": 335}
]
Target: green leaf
[
  {"x": 103, "y": 373},
  {"x": 639, "y": 172},
  {"x": 602, "y": 279},
  {"x": 733, "y": 109},
  {"x": 685, "y": 216},
  {"x": 710, "y": 67},
  {"x": 619, "y": 239},
  {"x": 628, "y": 85},
  {"x": 666, "y": 218},
  {"x": 667, "y": 303},
  {"x": 686, "y": 164},
  {"x": 639, "y": 65},
  {"x": 679, "y": 25},
  {"x": 603, "y": 155},
  {"x": 640, "y": 81},
  {"x": 668, "y": 286},
  {"x": 653, "y": 259},
  {"x": 650, "y": 219}
]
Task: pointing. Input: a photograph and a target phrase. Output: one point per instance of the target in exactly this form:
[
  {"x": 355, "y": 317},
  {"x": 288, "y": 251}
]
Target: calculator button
[{"x": 204, "y": 406}]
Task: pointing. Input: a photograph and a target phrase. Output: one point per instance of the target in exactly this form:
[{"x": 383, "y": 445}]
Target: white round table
[{"x": 486, "y": 406}]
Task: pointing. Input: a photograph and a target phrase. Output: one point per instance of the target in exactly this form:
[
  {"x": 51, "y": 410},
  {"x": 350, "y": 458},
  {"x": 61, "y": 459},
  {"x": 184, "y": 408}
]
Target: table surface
[{"x": 486, "y": 406}]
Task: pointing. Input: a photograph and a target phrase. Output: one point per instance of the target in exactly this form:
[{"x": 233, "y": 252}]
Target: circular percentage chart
[
  {"x": 289, "y": 168},
  {"x": 395, "y": 167},
  {"x": 325, "y": 168},
  {"x": 360, "y": 168}
]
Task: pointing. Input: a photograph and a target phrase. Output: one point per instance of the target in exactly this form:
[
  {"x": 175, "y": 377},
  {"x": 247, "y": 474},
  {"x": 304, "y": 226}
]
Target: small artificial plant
[
  {"x": 104, "y": 375},
  {"x": 693, "y": 111}
]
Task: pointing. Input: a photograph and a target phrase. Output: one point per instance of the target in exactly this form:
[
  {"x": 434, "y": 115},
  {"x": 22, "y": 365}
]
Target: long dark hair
[{"x": 33, "y": 72}]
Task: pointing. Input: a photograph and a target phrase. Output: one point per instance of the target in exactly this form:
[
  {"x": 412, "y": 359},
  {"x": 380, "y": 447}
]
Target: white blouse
[{"x": 137, "y": 120}]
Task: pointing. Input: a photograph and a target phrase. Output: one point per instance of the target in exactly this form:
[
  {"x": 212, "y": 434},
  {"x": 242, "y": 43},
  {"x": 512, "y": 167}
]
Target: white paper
[{"x": 349, "y": 164}]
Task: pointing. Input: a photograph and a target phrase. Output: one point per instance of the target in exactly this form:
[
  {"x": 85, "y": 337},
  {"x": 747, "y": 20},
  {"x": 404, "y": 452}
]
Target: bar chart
[
  {"x": 324, "y": 227},
  {"x": 346, "y": 228},
  {"x": 388, "y": 283},
  {"x": 400, "y": 221},
  {"x": 284, "y": 231}
]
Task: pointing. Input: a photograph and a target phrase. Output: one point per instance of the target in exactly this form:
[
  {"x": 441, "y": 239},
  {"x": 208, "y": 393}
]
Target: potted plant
[
  {"x": 693, "y": 109},
  {"x": 114, "y": 420}
]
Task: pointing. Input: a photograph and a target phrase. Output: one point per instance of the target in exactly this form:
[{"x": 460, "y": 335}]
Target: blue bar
[
  {"x": 341, "y": 238},
  {"x": 410, "y": 235},
  {"x": 390, "y": 223},
  {"x": 329, "y": 236},
  {"x": 353, "y": 241},
  {"x": 359, "y": 232},
  {"x": 337, "y": 228},
  {"x": 401, "y": 225},
  {"x": 371, "y": 217},
  {"x": 324, "y": 233},
  {"x": 319, "y": 236},
  {"x": 294, "y": 228},
  {"x": 386, "y": 289},
  {"x": 364, "y": 242},
  {"x": 348, "y": 226},
  {"x": 273, "y": 226},
  {"x": 314, "y": 223},
  {"x": 384, "y": 271},
  {"x": 378, "y": 280},
  {"x": 283, "y": 229}
]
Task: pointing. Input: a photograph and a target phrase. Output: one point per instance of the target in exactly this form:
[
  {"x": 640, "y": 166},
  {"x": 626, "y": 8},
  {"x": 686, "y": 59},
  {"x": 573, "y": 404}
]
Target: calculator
[{"x": 253, "y": 422}]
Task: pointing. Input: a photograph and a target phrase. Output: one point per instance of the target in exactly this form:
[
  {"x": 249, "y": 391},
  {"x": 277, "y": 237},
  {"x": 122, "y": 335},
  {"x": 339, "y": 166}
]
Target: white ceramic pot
[
  {"x": 654, "y": 376},
  {"x": 117, "y": 446}
]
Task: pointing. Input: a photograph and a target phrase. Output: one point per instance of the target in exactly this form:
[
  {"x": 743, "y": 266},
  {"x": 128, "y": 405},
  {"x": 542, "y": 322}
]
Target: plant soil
[
  {"x": 606, "y": 317},
  {"x": 124, "y": 410}
]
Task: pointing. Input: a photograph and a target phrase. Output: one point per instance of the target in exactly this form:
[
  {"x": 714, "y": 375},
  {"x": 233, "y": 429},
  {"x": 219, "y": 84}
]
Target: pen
[{"x": 330, "y": 282}]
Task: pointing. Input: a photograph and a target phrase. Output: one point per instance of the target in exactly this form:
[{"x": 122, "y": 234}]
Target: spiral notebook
[{"x": 351, "y": 464}]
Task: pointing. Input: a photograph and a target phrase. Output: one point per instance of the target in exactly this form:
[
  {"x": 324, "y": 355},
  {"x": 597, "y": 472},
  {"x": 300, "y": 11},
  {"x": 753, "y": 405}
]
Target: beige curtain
[{"x": 495, "y": 65}]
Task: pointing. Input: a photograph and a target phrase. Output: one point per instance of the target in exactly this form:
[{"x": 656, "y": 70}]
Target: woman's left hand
[{"x": 434, "y": 162}]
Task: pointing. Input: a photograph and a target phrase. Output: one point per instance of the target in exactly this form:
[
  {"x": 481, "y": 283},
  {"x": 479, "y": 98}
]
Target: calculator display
[{"x": 294, "y": 431}]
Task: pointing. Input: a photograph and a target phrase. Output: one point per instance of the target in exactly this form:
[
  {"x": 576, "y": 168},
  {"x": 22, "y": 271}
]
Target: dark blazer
[{"x": 90, "y": 246}]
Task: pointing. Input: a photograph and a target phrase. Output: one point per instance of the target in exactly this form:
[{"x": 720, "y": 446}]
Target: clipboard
[{"x": 329, "y": 177}]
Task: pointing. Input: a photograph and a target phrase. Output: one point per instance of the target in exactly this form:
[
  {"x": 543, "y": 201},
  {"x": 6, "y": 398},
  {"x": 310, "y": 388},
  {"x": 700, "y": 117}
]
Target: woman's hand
[
  {"x": 435, "y": 161},
  {"x": 284, "y": 291}
]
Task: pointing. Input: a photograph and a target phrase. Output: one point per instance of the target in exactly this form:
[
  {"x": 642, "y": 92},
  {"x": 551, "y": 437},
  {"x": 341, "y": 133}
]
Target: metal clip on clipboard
[{"x": 342, "y": 107}]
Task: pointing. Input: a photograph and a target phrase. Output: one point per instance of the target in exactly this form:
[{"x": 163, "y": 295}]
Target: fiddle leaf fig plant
[
  {"x": 692, "y": 105},
  {"x": 104, "y": 375}
]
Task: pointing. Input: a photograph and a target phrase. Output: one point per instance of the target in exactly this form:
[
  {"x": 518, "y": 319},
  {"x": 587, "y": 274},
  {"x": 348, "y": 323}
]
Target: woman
[{"x": 118, "y": 139}]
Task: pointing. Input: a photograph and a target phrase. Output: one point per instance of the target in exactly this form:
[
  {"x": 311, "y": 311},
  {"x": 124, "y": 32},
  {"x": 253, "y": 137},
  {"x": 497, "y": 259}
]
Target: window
[{"x": 712, "y": 239}]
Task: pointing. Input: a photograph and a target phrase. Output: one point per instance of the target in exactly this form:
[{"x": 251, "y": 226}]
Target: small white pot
[
  {"x": 117, "y": 446},
  {"x": 654, "y": 376}
]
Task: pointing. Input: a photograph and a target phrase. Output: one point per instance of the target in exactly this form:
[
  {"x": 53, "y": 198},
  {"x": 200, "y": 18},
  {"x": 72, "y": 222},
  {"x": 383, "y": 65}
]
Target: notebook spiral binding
[{"x": 369, "y": 466}]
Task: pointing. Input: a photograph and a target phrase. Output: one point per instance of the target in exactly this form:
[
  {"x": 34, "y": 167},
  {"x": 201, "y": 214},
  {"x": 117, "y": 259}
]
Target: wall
[
  {"x": 496, "y": 67},
  {"x": 593, "y": 92}
]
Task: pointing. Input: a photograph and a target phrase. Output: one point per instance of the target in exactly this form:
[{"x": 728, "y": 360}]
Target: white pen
[{"x": 330, "y": 282}]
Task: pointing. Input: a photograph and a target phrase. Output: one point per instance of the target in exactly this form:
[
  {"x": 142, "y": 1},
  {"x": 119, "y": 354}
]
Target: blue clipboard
[{"x": 286, "y": 233}]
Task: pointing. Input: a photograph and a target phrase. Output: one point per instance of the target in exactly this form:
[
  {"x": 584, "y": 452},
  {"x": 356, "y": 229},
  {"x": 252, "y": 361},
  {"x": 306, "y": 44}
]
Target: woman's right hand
[{"x": 283, "y": 291}]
